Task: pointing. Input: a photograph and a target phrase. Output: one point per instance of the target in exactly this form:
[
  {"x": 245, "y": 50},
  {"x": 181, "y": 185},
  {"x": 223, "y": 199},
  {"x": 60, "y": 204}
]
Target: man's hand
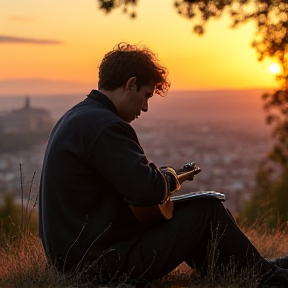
[
  {"x": 172, "y": 179},
  {"x": 189, "y": 167}
]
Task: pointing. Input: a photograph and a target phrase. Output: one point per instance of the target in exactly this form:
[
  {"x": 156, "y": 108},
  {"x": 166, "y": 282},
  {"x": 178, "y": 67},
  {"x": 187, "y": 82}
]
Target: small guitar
[{"x": 155, "y": 214}]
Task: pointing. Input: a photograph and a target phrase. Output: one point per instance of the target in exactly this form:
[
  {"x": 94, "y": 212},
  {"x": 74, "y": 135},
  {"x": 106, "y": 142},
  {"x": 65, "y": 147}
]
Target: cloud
[
  {"x": 21, "y": 40},
  {"x": 21, "y": 18}
]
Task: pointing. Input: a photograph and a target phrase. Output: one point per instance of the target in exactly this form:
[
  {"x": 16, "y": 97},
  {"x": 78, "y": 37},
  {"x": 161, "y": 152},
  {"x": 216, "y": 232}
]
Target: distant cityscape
[
  {"x": 228, "y": 152},
  {"x": 228, "y": 158}
]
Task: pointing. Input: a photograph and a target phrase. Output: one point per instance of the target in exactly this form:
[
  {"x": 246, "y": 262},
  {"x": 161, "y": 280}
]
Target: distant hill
[
  {"x": 41, "y": 86},
  {"x": 213, "y": 105}
]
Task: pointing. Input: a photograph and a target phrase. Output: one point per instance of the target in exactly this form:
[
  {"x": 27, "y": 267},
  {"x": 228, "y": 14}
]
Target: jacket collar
[{"x": 103, "y": 99}]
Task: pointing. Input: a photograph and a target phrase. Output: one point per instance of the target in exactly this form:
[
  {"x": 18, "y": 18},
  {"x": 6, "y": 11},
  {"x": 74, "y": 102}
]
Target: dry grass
[
  {"x": 23, "y": 264},
  {"x": 270, "y": 244}
]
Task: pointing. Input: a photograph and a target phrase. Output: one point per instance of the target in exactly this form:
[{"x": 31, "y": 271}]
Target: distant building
[{"x": 26, "y": 119}]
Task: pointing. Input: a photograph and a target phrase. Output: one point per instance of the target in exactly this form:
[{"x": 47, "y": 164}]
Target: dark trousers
[{"x": 186, "y": 237}]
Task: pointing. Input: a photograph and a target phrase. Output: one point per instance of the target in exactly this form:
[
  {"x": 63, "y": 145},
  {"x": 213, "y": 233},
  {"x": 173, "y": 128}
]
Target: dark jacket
[{"x": 94, "y": 167}]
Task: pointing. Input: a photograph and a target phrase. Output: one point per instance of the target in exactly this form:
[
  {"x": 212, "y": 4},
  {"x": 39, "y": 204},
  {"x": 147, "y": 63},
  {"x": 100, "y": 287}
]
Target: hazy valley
[{"x": 224, "y": 132}]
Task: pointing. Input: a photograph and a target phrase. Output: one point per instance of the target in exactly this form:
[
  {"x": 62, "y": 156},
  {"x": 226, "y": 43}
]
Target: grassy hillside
[{"x": 23, "y": 264}]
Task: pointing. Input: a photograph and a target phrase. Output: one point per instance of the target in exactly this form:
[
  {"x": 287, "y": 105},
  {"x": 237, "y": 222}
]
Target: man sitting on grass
[{"x": 95, "y": 173}]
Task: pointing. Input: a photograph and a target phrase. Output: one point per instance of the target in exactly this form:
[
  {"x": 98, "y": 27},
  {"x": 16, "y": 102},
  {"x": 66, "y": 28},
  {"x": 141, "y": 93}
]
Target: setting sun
[{"x": 275, "y": 68}]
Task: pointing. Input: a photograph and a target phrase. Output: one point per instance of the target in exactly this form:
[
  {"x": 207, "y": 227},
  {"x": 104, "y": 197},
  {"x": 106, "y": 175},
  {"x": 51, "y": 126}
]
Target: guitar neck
[{"x": 187, "y": 175}]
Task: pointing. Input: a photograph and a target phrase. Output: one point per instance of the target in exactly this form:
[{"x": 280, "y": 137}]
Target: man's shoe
[
  {"x": 280, "y": 262},
  {"x": 279, "y": 279}
]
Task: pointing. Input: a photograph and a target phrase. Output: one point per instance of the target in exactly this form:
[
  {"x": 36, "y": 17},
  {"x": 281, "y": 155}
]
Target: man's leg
[{"x": 186, "y": 237}]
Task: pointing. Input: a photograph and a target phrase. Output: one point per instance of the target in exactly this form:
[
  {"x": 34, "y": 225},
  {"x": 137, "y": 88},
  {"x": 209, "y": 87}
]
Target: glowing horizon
[{"x": 64, "y": 42}]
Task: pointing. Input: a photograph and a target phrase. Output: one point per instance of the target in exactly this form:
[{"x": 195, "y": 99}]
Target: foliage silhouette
[
  {"x": 271, "y": 192},
  {"x": 270, "y": 17},
  {"x": 268, "y": 203}
]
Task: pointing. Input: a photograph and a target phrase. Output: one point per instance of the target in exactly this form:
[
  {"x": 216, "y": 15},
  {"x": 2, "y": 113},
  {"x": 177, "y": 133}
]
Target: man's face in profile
[{"x": 136, "y": 102}]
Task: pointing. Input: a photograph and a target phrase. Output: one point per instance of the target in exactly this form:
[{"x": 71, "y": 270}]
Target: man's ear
[{"x": 131, "y": 81}]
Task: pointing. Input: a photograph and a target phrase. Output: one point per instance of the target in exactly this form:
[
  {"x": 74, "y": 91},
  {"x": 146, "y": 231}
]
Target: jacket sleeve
[{"x": 118, "y": 157}]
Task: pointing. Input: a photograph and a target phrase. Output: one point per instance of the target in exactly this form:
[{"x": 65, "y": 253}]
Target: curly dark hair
[{"x": 126, "y": 61}]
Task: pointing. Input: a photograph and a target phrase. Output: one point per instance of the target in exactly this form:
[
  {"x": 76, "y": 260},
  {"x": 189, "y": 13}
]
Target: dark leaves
[{"x": 108, "y": 5}]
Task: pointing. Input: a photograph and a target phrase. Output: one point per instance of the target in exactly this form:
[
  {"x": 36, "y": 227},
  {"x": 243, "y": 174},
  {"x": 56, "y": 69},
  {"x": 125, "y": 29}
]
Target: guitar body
[{"x": 151, "y": 215}]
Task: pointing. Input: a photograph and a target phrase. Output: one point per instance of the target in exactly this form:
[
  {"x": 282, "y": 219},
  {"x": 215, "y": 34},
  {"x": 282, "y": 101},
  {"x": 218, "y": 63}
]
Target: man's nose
[{"x": 145, "y": 107}]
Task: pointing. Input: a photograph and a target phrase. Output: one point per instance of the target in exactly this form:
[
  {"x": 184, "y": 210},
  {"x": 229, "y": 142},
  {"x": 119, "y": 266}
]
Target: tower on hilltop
[{"x": 27, "y": 119}]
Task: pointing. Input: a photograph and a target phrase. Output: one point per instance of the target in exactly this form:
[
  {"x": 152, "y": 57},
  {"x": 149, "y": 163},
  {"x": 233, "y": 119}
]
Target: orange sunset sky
[{"x": 53, "y": 46}]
